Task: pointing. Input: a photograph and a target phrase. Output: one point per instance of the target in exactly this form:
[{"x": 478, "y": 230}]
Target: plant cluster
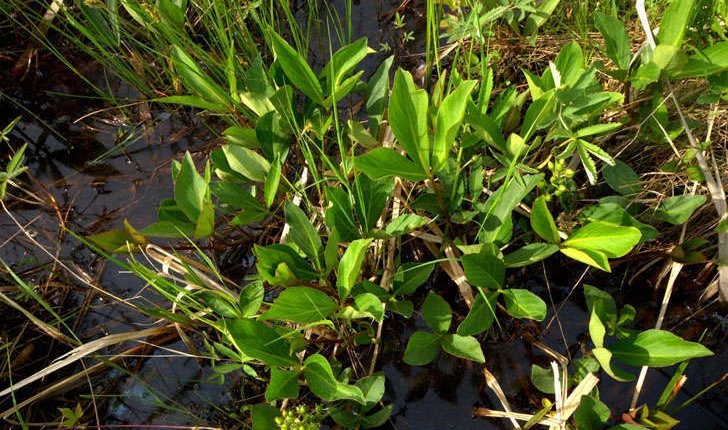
[{"x": 472, "y": 172}]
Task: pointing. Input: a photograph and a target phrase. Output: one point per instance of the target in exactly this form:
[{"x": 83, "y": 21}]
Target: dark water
[{"x": 95, "y": 188}]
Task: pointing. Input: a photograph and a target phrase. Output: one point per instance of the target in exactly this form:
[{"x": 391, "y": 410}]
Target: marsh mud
[{"x": 91, "y": 167}]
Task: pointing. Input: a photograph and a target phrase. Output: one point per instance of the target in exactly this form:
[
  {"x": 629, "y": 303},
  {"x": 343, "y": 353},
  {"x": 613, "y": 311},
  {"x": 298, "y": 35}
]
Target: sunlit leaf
[{"x": 321, "y": 381}]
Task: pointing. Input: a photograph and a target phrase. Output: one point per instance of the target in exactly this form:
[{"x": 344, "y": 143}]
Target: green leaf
[
  {"x": 466, "y": 347},
  {"x": 604, "y": 356},
  {"x": 437, "y": 313},
  {"x": 530, "y": 254},
  {"x": 656, "y": 348},
  {"x": 303, "y": 233},
  {"x": 235, "y": 196},
  {"x": 542, "y": 221},
  {"x": 272, "y": 181},
  {"x": 616, "y": 40},
  {"x": 613, "y": 241},
  {"x": 342, "y": 63},
  {"x": 645, "y": 75},
  {"x": 190, "y": 189},
  {"x": 251, "y": 297},
  {"x": 350, "y": 265},
  {"x": 357, "y": 133},
  {"x": 410, "y": 276},
  {"x": 408, "y": 118},
  {"x": 197, "y": 81},
  {"x": 449, "y": 119},
  {"x": 668, "y": 58},
  {"x": 302, "y": 305},
  {"x": 591, "y": 414},
  {"x": 622, "y": 179},
  {"x": 331, "y": 252},
  {"x": 422, "y": 348},
  {"x": 193, "y": 101},
  {"x": 675, "y": 21},
  {"x": 272, "y": 139},
  {"x": 246, "y": 162},
  {"x": 264, "y": 416},
  {"x": 339, "y": 215},
  {"x": 537, "y": 114},
  {"x": 677, "y": 209},
  {"x": 596, "y": 129},
  {"x": 404, "y": 224},
  {"x": 543, "y": 379},
  {"x": 370, "y": 199},
  {"x": 603, "y": 304},
  {"x": 257, "y": 340},
  {"x": 481, "y": 315},
  {"x": 116, "y": 241},
  {"x": 499, "y": 207},
  {"x": 587, "y": 256},
  {"x": 321, "y": 381},
  {"x": 589, "y": 167},
  {"x": 283, "y": 384},
  {"x": 597, "y": 329},
  {"x": 205, "y": 225},
  {"x": 372, "y": 387},
  {"x": 272, "y": 257},
  {"x": 714, "y": 59},
  {"x": 371, "y": 305},
  {"x": 570, "y": 63},
  {"x": 296, "y": 68},
  {"x": 484, "y": 270},
  {"x": 377, "y": 94},
  {"x": 383, "y": 162},
  {"x": 524, "y": 304}
]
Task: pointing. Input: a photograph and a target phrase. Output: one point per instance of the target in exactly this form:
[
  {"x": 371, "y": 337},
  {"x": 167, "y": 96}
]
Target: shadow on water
[{"x": 101, "y": 170}]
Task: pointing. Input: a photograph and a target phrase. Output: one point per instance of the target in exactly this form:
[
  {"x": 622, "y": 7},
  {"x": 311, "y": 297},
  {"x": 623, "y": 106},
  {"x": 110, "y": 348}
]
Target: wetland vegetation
[{"x": 335, "y": 214}]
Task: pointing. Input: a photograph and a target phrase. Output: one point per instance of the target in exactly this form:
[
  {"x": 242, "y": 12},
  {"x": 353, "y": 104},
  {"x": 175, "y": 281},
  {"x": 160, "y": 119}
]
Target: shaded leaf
[
  {"x": 466, "y": 347},
  {"x": 422, "y": 348}
]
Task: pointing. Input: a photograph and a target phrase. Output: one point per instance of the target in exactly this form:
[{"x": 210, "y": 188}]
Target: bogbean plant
[{"x": 474, "y": 176}]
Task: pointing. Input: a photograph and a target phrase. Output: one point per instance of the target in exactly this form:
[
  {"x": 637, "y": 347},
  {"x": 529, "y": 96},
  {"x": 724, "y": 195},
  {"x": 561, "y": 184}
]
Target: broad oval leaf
[
  {"x": 437, "y": 313},
  {"x": 410, "y": 276},
  {"x": 246, "y": 162},
  {"x": 466, "y": 347},
  {"x": 677, "y": 209},
  {"x": 587, "y": 256},
  {"x": 622, "y": 179},
  {"x": 484, "y": 270},
  {"x": 301, "y": 305},
  {"x": 656, "y": 348},
  {"x": 283, "y": 384},
  {"x": 383, "y": 162},
  {"x": 524, "y": 304},
  {"x": 261, "y": 342},
  {"x": 481, "y": 315},
  {"x": 613, "y": 241},
  {"x": 321, "y": 381},
  {"x": 422, "y": 348}
]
